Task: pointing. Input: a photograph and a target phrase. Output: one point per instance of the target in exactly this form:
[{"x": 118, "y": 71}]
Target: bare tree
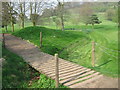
[
  {"x": 60, "y": 10},
  {"x": 13, "y": 13},
  {"x": 5, "y": 15},
  {"x": 36, "y": 8},
  {"x": 22, "y": 13}
]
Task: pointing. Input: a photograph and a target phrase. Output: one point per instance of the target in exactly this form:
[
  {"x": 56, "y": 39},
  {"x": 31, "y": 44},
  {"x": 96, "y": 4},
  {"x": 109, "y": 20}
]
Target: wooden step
[
  {"x": 71, "y": 79},
  {"x": 66, "y": 74},
  {"x": 78, "y": 85},
  {"x": 74, "y": 77},
  {"x": 69, "y": 73},
  {"x": 83, "y": 78},
  {"x": 75, "y": 74},
  {"x": 61, "y": 67},
  {"x": 53, "y": 74}
]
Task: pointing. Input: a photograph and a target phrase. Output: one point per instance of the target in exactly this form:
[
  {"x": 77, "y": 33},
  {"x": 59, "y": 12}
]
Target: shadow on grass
[{"x": 103, "y": 64}]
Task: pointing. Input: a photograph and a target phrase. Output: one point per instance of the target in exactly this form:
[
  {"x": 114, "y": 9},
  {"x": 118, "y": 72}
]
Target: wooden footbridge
[{"x": 70, "y": 74}]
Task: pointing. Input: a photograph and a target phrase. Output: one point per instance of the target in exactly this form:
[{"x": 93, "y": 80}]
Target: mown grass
[
  {"x": 18, "y": 74},
  {"x": 75, "y": 45},
  {"x": 53, "y": 40}
]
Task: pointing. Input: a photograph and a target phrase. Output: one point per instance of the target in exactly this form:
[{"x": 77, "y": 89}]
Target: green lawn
[
  {"x": 75, "y": 45},
  {"x": 18, "y": 74}
]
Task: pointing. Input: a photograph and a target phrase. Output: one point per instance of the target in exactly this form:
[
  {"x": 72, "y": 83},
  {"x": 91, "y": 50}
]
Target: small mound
[{"x": 53, "y": 40}]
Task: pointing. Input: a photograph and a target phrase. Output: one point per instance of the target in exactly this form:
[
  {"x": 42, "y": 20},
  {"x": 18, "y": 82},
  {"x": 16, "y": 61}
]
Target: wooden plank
[
  {"x": 75, "y": 74},
  {"x": 48, "y": 65},
  {"x": 85, "y": 82},
  {"x": 62, "y": 64},
  {"x": 62, "y": 72},
  {"x": 52, "y": 72},
  {"x": 66, "y": 74},
  {"x": 77, "y": 80},
  {"x": 69, "y": 73},
  {"x": 71, "y": 79},
  {"x": 70, "y": 70},
  {"x": 61, "y": 67}
]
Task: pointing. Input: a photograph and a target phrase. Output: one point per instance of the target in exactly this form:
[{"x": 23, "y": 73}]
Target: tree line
[{"x": 59, "y": 12}]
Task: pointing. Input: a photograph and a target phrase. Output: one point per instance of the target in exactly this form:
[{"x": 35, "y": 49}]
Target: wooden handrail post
[
  {"x": 3, "y": 41},
  {"x": 93, "y": 54},
  {"x": 40, "y": 39},
  {"x": 57, "y": 71}
]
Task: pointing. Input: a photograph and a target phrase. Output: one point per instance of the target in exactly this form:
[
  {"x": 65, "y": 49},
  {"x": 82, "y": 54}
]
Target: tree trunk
[
  {"x": 34, "y": 24},
  {"x": 6, "y": 28},
  {"x": 92, "y": 26},
  {"x": 62, "y": 21},
  {"x": 31, "y": 9},
  {"x": 12, "y": 27},
  {"x": 22, "y": 15},
  {"x": 62, "y": 18},
  {"x": 23, "y": 22}
]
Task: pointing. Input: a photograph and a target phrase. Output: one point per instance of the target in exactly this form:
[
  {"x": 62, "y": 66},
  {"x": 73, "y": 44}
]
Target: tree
[
  {"x": 36, "y": 8},
  {"x": 22, "y": 13},
  {"x": 5, "y": 15},
  {"x": 60, "y": 12},
  {"x": 93, "y": 20},
  {"x": 12, "y": 14}
]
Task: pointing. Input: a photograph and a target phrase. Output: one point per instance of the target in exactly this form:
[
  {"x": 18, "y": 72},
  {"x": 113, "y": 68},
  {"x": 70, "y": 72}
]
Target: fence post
[
  {"x": 57, "y": 71},
  {"x": 3, "y": 41},
  {"x": 40, "y": 39},
  {"x": 93, "y": 54}
]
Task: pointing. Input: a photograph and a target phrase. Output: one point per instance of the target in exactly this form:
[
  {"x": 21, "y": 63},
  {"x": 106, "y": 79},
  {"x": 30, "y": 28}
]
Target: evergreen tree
[{"x": 93, "y": 20}]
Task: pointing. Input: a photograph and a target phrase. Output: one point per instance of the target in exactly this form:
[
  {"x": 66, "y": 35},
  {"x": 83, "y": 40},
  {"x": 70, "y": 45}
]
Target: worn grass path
[{"x": 70, "y": 74}]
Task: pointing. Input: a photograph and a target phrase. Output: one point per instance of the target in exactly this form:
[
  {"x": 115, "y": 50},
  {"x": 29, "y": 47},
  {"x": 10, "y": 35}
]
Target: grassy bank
[{"x": 53, "y": 40}]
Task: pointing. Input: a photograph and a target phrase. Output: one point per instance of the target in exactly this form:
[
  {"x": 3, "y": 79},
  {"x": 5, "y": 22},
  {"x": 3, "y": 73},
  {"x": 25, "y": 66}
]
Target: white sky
[{"x": 64, "y": 0}]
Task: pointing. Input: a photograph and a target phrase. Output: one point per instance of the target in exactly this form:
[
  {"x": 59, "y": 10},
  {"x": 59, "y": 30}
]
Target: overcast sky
[{"x": 62, "y": 0}]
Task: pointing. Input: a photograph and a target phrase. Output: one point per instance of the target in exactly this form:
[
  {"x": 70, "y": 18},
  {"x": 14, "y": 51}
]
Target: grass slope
[
  {"x": 75, "y": 45},
  {"x": 53, "y": 40},
  {"x": 18, "y": 74}
]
